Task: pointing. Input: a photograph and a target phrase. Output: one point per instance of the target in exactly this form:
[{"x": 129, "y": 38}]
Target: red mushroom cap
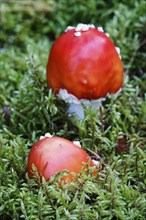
[
  {"x": 86, "y": 63},
  {"x": 55, "y": 154}
]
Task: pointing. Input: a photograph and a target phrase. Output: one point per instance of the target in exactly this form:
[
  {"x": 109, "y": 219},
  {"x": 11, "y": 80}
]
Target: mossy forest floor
[{"x": 28, "y": 110}]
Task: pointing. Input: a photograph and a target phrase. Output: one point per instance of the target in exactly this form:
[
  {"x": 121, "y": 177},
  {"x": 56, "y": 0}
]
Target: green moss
[{"x": 28, "y": 110}]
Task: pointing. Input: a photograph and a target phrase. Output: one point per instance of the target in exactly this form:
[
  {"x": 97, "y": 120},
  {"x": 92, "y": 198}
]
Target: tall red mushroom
[{"x": 84, "y": 62}]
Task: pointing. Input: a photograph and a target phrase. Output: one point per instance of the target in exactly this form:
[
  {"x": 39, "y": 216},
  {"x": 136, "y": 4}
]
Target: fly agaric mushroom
[
  {"x": 51, "y": 155},
  {"x": 84, "y": 65}
]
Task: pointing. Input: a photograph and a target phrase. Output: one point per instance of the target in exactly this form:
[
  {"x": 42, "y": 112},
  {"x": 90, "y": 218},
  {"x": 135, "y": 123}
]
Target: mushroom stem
[
  {"x": 76, "y": 105},
  {"x": 77, "y": 110}
]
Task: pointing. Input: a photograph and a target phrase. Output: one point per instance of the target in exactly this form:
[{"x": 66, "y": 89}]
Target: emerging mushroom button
[
  {"x": 84, "y": 62},
  {"x": 50, "y": 155}
]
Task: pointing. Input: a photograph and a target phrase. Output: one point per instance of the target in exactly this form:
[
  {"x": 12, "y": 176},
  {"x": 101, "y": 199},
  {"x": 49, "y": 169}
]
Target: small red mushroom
[
  {"x": 51, "y": 155},
  {"x": 85, "y": 62}
]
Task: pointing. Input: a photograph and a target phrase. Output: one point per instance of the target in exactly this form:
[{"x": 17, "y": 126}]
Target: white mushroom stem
[
  {"x": 77, "y": 110},
  {"x": 76, "y": 105}
]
